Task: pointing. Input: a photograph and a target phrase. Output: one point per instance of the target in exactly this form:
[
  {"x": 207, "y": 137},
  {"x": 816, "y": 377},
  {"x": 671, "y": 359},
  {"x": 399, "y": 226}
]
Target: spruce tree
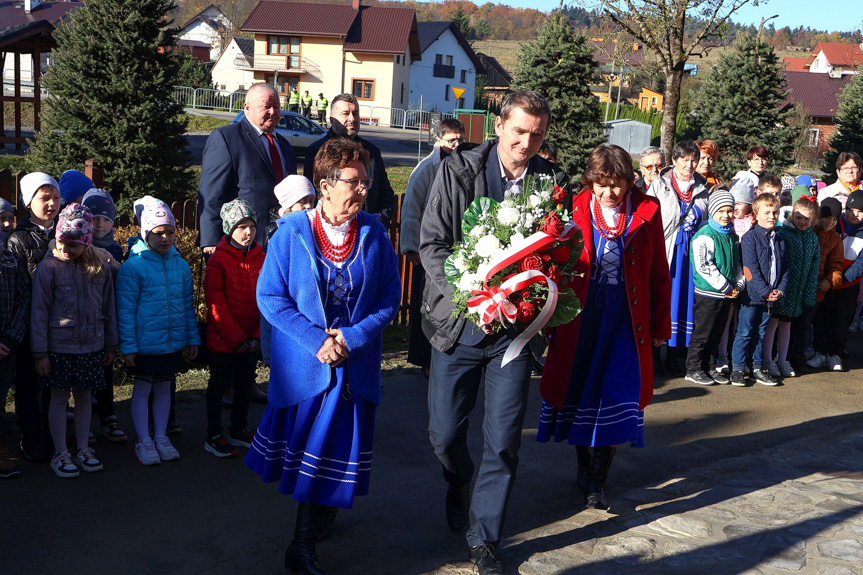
[
  {"x": 849, "y": 126},
  {"x": 110, "y": 99},
  {"x": 559, "y": 65},
  {"x": 741, "y": 104}
]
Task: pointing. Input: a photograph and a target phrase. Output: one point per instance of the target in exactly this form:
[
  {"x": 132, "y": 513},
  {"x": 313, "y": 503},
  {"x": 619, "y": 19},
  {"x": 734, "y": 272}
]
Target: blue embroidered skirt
[
  {"x": 601, "y": 406},
  {"x": 319, "y": 450}
]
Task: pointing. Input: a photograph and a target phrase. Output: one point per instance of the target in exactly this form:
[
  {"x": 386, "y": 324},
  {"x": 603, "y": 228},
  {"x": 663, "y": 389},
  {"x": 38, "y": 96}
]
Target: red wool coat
[
  {"x": 648, "y": 283},
  {"x": 229, "y": 291}
]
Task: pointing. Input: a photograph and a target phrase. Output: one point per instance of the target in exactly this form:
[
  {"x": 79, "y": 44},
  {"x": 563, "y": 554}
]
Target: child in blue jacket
[
  {"x": 765, "y": 266},
  {"x": 156, "y": 320}
]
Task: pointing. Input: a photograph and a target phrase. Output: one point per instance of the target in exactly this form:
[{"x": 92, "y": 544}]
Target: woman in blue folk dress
[
  {"x": 329, "y": 286},
  {"x": 682, "y": 193},
  {"x": 598, "y": 376}
]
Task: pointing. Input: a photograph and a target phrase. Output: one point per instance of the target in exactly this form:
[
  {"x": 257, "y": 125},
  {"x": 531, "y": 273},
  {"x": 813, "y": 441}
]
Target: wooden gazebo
[{"x": 26, "y": 32}]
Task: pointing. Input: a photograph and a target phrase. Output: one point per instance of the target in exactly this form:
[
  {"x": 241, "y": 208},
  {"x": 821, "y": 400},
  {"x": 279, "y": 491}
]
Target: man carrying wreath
[{"x": 464, "y": 355}]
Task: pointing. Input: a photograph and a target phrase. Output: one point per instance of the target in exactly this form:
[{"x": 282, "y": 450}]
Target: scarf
[
  {"x": 105, "y": 241},
  {"x": 720, "y": 228}
]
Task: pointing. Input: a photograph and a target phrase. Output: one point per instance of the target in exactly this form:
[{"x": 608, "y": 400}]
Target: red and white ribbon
[{"x": 492, "y": 303}]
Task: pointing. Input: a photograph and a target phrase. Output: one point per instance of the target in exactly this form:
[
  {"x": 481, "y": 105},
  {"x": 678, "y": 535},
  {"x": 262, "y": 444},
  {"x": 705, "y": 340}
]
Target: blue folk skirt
[
  {"x": 682, "y": 293},
  {"x": 319, "y": 450},
  {"x": 601, "y": 406}
]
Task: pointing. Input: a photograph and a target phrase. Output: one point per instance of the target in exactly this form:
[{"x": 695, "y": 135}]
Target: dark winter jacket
[
  {"x": 271, "y": 227},
  {"x": 380, "y": 199},
  {"x": 804, "y": 257},
  {"x": 462, "y": 177},
  {"x": 229, "y": 290},
  {"x": 755, "y": 247},
  {"x": 14, "y": 298},
  {"x": 29, "y": 243}
]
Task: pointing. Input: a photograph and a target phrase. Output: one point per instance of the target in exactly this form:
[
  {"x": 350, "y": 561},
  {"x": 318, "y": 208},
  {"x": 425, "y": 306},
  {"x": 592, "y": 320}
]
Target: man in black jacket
[
  {"x": 345, "y": 123},
  {"x": 465, "y": 355}
]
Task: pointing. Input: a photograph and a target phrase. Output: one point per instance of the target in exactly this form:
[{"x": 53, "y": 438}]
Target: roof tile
[
  {"x": 300, "y": 18},
  {"x": 817, "y": 93}
]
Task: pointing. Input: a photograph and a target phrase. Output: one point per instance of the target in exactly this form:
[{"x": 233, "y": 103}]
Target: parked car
[{"x": 297, "y": 129}]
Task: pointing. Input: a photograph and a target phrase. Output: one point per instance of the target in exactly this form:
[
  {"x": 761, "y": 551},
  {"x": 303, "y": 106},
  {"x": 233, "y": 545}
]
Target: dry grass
[{"x": 504, "y": 51}]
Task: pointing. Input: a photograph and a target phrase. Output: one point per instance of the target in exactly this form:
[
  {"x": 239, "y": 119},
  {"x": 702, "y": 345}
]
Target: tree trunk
[{"x": 670, "y": 104}]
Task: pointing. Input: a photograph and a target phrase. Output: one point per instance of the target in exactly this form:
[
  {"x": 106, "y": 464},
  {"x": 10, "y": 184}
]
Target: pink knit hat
[
  {"x": 75, "y": 225},
  {"x": 293, "y": 189},
  {"x": 155, "y": 214}
]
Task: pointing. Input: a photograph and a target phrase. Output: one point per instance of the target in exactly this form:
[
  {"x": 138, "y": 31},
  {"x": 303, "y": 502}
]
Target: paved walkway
[{"x": 733, "y": 480}]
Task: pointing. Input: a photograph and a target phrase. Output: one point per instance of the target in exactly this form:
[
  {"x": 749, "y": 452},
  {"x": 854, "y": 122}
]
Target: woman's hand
[
  {"x": 332, "y": 352},
  {"x": 824, "y": 285},
  {"x": 129, "y": 360},
  {"x": 193, "y": 351},
  {"x": 108, "y": 358},
  {"x": 340, "y": 339},
  {"x": 43, "y": 366}
]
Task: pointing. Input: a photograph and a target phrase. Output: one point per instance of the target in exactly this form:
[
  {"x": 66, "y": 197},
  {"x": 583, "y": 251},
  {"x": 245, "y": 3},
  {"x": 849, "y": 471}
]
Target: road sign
[{"x": 458, "y": 92}]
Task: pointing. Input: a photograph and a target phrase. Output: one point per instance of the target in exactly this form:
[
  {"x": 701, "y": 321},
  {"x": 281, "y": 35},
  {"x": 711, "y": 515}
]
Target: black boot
[
  {"x": 325, "y": 531},
  {"x": 584, "y": 455},
  {"x": 597, "y": 475},
  {"x": 301, "y": 555}
]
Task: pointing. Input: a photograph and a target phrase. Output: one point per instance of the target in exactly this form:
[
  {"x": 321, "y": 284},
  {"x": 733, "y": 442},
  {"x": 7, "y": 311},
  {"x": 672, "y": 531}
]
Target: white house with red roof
[
  {"x": 447, "y": 62},
  {"x": 835, "y": 58},
  {"x": 209, "y": 26},
  {"x": 335, "y": 48}
]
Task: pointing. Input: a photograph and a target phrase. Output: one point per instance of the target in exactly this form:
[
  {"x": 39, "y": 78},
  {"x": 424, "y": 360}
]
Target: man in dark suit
[
  {"x": 345, "y": 123},
  {"x": 465, "y": 355},
  {"x": 244, "y": 160}
]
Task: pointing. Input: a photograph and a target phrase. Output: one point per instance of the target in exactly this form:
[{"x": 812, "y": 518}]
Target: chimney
[
  {"x": 355, "y": 4},
  {"x": 29, "y": 5}
]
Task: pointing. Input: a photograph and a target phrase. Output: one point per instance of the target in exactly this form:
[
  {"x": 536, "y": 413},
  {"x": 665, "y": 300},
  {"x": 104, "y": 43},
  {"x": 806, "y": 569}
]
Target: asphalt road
[{"x": 207, "y": 515}]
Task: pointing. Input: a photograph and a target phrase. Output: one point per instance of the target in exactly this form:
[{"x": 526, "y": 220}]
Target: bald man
[{"x": 244, "y": 160}]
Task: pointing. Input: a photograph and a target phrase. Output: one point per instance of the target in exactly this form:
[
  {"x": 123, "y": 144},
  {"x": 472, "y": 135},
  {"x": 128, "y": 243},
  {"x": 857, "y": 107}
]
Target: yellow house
[
  {"x": 330, "y": 49},
  {"x": 649, "y": 100}
]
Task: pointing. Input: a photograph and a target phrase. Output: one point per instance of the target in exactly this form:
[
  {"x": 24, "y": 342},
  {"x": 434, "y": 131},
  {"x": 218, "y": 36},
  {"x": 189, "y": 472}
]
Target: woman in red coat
[{"x": 596, "y": 387}]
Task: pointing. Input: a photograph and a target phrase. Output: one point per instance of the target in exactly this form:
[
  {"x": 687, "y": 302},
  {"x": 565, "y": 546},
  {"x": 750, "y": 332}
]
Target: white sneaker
[
  {"x": 834, "y": 362},
  {"x": 817, "y": 360},
  {"x": 165, "y": 449},
  {"x": 63, "y": 466},
  {"x": 722, "y": 367},
  {"x": 86, "y": 460},
  {"x": 786, "y": 370},
  {"x": 772, "y": 369},
  {"x": 146, "y": 453},
  {"x": 809, "y": 353}
]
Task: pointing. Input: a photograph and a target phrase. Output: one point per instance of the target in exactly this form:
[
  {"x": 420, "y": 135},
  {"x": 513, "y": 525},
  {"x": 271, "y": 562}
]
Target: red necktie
[{"x": 278, "y": 170}]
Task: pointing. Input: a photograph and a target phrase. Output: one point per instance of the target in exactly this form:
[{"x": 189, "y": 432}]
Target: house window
[
  {"x": 438, "y": 58},
  {"x": 446, "y": 93},
  {"x": 280, "y": 85},
  {"x": 460, "y": 104},
  {"x": 449, "y": 60},
  {"x": 364, "y": 89},
  {"x": 814, "y": 137},
  {"x": 653, "y": 101},
  {"x": 398, "y": 59},
  {"x": 285, "y": 46},
  {"x": 464, "y": 76},
  {"x": 402, "y": 100}
]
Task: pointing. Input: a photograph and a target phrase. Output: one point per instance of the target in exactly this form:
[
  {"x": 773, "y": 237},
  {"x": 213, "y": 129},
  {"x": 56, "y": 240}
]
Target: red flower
[
  {"x": 558, "y": 195},
  {"x": 552, "y": 225},
  {"x": 560, "y": 254},
  {"x": 530, "y": 262},
  {"x": 525, "y": 295},
  {"x": 546, "y": 258},
  {"x": 526, "y": 311},
  {"x": 553, "y": 274}
]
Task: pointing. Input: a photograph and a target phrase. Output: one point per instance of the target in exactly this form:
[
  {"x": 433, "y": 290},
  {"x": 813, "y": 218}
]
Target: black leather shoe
[
  {"x": 486, "y": 561},
  {"x": 457, "y": 506}
]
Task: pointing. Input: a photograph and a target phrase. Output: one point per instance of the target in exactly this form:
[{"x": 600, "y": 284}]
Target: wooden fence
[{"x": 186, "y": 214}]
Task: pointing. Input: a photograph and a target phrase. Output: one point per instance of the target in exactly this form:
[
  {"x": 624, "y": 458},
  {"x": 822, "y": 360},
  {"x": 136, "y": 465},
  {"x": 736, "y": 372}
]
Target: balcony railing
[
  {"x": 271, "y": 63},
  {"x": 444, "y": 71}
]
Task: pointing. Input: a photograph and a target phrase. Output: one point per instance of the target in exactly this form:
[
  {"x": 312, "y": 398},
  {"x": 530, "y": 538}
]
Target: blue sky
[{"x": 838, "y": 15}]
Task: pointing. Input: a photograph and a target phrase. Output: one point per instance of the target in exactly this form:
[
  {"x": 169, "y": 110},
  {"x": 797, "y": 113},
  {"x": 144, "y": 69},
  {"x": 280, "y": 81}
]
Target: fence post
[
  {"x": 195, "y": 98},
  {"x": 94, "y": 171}
]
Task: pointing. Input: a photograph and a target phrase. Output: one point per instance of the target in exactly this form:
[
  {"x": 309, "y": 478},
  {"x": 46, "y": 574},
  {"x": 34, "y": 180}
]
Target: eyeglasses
[
  {"x": 454, "y": 141},
  {"x": 849, "y": 169},
  {"x": 652, "y": 167},
  {"x": 355, "y": 183}
]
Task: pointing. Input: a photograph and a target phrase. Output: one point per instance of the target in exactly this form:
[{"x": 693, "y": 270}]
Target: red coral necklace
[
  {"x": 687, "y": 197},
  {"x": 605, "y": 230},
  {"x": 332, "y": 252}
]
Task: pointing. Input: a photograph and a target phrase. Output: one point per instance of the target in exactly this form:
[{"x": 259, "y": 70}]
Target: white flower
[
  {"x": 486, "y": 245},
  {"x": 515, "y": 239},
  {"x": 482, "y": 269},
  {"x": 535, "y": 200},
  {"x": 528, "y": 220},
  {"x": 508, "y": 203},
  {"x": 469, "y": 282},
  {"x": 460, "y": 263},
  {"x": 477, "y": 231},
  {"x": 507, "y": 216}
]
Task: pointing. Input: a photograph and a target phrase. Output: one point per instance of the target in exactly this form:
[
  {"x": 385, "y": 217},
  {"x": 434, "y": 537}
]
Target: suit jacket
[
  {"x": 236, "y": 164},
  {"x": 381, "y": 199}
]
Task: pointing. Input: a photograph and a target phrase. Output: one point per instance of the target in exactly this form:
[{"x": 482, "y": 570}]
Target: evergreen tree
[
  {"x": 111, "y": 100},
  {"x": 849, "y": 126},
  {"x": 741, "y": 104},
  {"x": 559, "y": 65}
]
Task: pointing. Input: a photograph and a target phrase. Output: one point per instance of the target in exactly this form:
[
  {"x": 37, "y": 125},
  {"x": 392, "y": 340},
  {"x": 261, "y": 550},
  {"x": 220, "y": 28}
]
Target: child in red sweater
[{"x": 233, "y": 326}]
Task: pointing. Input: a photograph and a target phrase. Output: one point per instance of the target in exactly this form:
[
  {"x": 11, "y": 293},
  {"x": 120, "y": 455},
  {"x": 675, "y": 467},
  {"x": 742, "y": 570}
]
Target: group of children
[
  {"x": 776, "y": 277},
  {"x": 70, "y": 299}
]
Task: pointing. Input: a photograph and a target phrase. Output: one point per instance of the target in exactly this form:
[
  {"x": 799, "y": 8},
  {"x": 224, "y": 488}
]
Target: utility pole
[{"x": 610, "y": 81}]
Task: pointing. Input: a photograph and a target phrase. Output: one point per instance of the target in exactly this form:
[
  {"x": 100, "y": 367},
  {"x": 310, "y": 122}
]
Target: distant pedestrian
[
  {"x": 322, "y": 109},
  {"x": 306, "y": 101}
]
